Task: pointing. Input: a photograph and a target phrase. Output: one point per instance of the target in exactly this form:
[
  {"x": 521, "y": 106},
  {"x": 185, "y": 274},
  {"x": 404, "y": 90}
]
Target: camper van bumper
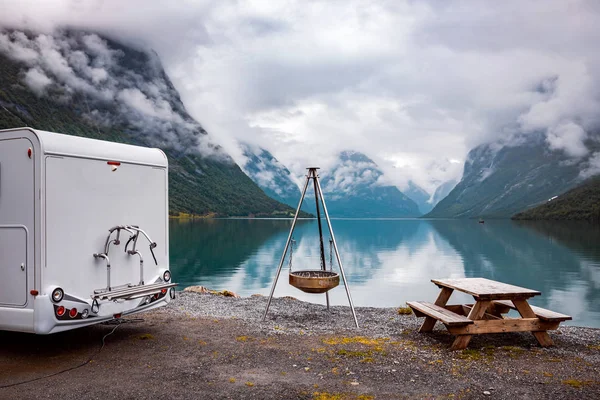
[{"x": 46, "y": 322}]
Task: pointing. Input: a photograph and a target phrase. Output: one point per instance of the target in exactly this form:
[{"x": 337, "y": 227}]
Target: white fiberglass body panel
[
  {"x": 84, "y": 198},
  {"x": 59, "y": 196}
]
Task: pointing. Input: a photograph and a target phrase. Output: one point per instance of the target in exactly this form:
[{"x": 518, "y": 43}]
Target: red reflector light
[
  {"x": 34, "y": 292},
  {"x": 117, "y": 316},
  {"x": 73, "y": 312},
  {"x": 60, "y": 311},
  {"x": 113, "y": 163},
  {"x": 164, "y": 291},
  {"x": 29, "y": 152}
]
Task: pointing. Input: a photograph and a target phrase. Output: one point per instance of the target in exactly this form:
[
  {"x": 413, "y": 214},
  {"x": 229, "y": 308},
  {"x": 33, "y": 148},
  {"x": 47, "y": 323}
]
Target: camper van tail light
[
  {"x": 115, "y": 163},
  {"x": 163, "y": 291},
  {"x": 85, "y": 313},
  {"x": 73, "y": 312},
  {"x": 167, "y": 276},
  {"x": 57, "y": 295},
  {"x": 60, "y": 311},
  {"x": 34, "y": 292}
]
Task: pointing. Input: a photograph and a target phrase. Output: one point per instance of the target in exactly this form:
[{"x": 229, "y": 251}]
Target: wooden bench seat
[
  {"x": 541, "y": 313},
  {"x": 441, "y": 314}
]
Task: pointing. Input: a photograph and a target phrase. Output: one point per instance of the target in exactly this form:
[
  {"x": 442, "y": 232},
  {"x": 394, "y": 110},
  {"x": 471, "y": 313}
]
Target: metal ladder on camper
[{"x": 129, "y": 291}]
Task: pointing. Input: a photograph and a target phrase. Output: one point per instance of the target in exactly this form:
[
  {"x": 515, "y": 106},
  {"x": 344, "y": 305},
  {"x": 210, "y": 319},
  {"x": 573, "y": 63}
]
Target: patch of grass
[
  {"x": 146, "y": 336},
  {"x": 232, "y": 380},
  {"x": 513, "y": 351},
  {"x": 365, "y": 397},
  {"x": 201, "y": 342},
  {"x": 547, "y": 374},
  {"x": 367, "y": 360},
  {"x": 327, "y": 396},
  {"x": 404, "y": 311},
  {"x": 470, "y": 354},
  {"x": 576, "y": 383},
  {"x": 249, "y": 384},
  {"x": 243, "y": 338},
  {"x": 356, "y": 339},
  {"x": 350, "y": 353},
  {"x": 594, "y": 346}
]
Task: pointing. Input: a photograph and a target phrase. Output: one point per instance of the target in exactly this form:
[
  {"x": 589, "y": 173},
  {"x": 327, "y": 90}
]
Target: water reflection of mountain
[
  {"x": 554, "y": 259},
  {"x": 582, "y": 238},
  {"x": 360, "y": 243},
  {"x": 208, "y": 247}
]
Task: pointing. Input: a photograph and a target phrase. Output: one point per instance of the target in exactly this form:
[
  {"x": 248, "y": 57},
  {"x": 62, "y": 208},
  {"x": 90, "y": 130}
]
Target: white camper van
[{"x": 83, "y": 231}]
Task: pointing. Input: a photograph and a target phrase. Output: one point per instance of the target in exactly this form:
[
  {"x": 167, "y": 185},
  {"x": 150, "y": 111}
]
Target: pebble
[{"x": 487, "y": 393}]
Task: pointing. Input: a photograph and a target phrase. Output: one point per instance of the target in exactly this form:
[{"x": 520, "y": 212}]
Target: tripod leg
[
  {"x": 287, "y": 244},
  {"x": 337, "y": 254}
]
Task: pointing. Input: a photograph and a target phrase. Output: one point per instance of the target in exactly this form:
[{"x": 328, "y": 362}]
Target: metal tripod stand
[{"x": 312, "y": 174}]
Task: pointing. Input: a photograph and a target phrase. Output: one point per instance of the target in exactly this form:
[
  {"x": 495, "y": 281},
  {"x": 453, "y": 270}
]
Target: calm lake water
[{"x": 389, "y": 262}]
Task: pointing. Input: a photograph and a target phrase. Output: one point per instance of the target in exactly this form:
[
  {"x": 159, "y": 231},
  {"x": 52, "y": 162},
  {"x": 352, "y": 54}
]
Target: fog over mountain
[{"x": 408, "y": 83}]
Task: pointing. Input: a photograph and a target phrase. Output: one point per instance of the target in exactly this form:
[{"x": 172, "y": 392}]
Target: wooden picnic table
[{"x": 492, "y": 299}]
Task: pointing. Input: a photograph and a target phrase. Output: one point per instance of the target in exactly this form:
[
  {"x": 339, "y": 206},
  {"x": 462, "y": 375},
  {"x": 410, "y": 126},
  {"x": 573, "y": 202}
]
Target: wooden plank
[
  {"x": 526, "y": 312},
  {"x": 486, "y": 289},
  {"x": 447, "y": 317},
  {"x": 541, "y": 313},
  {"x": 498, "y": 309},
  {"x": 478, "y": 310},
  {"x": 441, "y": 301},
  {"x": 467, "y": 309},
  {"x": 457, "y": 309},
  {"x": 504, "y": 325}
]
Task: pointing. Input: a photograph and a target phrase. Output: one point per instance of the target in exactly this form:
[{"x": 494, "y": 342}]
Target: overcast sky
[{"x": 412, "y": 84}]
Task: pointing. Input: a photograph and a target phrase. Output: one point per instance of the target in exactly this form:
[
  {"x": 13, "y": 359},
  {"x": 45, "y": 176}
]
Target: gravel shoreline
[{"x": 216, "y": 347}]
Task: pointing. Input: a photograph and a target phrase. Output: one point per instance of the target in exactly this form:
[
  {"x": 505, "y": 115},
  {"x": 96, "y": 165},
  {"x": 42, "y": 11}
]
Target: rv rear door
[{"x": 16, "y": 219}]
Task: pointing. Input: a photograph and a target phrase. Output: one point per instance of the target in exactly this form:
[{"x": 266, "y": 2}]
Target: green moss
[
  {"x": 404, "y": 311},
  {"x": 576, "y": 383}
]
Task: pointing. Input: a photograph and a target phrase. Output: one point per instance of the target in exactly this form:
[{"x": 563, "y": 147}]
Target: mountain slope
[
  {"x": 442, "y": 191},
  {"x": 270, "y": 175},
  {"x": 498, "y": 183},
  {"x": 82, "y": 84},
  {"x": 419, "y": 196},
  {"x": 580, "y": 203},
  {"x": 354, "y": 189}
]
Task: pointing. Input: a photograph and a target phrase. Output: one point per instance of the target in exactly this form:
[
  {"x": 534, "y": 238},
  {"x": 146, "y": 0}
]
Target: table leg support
[
  {"x": 525, "y": 310},
  {"x": 479, "y": 308},
  {"x": 441, "y": 301}
]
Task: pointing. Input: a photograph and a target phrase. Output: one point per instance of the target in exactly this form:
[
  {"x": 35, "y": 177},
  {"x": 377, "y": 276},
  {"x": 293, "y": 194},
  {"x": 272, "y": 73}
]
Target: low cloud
[
  {"x": 568, "y": 137},
  {"x": 37, "y": 81},
  {"x": 592, "y": 166},
  {"x": 413, "y": 85},
  {"x": 69, "y": 65}
]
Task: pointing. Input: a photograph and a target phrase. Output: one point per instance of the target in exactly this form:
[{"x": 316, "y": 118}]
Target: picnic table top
[{"x": 486, "y": 289}]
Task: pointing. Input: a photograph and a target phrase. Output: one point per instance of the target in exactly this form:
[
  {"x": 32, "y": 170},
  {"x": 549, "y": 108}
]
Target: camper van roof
[{"x": 67, "y": 145}]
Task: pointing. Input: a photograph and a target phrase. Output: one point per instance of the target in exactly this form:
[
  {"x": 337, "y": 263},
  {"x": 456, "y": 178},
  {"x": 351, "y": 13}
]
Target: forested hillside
[{"x": 81, "y": 84}]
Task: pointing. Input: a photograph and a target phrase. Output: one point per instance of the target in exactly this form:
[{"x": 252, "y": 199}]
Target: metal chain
[
  {"x": 331, "y": 254},
  {"x": 291, "y": 253}
]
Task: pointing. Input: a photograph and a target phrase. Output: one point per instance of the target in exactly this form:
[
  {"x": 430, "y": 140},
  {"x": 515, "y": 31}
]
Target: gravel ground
[{"x": 206, "y": 346}]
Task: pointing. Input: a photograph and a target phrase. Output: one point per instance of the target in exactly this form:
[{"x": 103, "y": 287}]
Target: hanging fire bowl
[{"x": 314, "y": 281}]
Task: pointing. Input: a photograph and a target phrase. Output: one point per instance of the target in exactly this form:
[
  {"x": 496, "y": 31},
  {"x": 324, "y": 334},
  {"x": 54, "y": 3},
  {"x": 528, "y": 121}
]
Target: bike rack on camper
[{"x": 57, "y": 195}]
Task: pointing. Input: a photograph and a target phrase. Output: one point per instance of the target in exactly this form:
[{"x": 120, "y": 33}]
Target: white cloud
[
  {"x": 592, "y": 166},
  {"x": 37, "y": 81},
  {"x": 411, "y": 84},
  {"x": 569, "y": 137}
]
